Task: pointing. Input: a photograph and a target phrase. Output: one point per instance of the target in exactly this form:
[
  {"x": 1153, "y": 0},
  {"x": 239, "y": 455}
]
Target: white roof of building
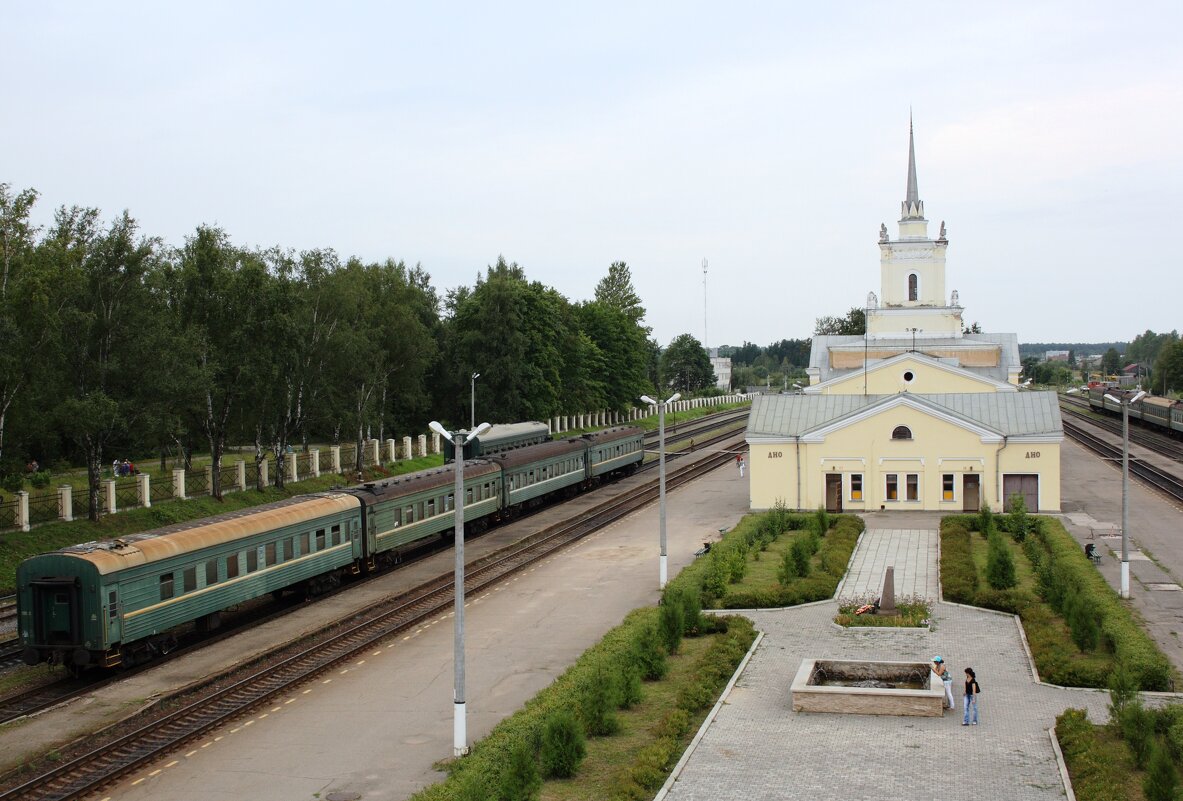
[{"x": 1006, "y": 414}]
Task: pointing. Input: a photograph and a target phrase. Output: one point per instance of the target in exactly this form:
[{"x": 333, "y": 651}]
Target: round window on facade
[
  {"x": 901, "y": 432},
  {"x": 909, "y": 375}
]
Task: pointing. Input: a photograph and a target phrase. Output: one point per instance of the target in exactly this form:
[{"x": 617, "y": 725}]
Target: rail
[{"x": 1159, "y": 479}]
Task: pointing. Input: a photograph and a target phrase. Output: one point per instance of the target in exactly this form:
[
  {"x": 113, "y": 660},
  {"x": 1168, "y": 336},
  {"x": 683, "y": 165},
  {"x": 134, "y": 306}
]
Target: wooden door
[
  {"x": 1025, "y": 484},
  {"x": 833, "y": 492}
]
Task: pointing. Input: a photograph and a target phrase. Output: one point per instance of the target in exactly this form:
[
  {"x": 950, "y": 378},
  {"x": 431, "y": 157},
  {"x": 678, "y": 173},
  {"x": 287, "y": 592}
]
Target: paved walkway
[
  {"x": 913, "y": 554},
  {"x": 757, "y": 748}
]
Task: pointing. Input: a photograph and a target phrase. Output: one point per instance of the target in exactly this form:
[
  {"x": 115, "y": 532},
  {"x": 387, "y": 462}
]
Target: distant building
[
  {"x": 1055, "y": 356},
  {"x": 722, "y": 367}
]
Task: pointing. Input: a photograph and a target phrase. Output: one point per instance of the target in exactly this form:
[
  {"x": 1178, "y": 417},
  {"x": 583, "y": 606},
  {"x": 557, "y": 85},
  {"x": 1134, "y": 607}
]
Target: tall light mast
[{"x": 704, "y": 308}]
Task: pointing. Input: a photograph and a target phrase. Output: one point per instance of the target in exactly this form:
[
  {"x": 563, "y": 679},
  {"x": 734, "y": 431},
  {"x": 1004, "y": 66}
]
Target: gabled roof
[
  {"x": 992, "y": 415},
  {"x": 1007, "y": 344},
  {"x": 917, "y": 356}
]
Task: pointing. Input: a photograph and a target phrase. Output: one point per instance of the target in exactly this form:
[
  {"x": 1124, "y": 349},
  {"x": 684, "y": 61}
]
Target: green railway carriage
[
  {"x": 110, "y": 603},
  {"x": 407, "y": 509},
  {"x": 533, "y": 473},
  {"x": 614, "y": 450},
  {"x": 501, "y": 438}
]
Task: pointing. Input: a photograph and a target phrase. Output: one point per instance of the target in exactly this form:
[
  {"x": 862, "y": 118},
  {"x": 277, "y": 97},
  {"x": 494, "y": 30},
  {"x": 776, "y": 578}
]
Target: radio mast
[{"x": 704, "y": 308}]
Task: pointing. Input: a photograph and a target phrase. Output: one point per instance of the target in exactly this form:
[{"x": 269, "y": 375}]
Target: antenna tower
[{"x": 704, "y": 308}]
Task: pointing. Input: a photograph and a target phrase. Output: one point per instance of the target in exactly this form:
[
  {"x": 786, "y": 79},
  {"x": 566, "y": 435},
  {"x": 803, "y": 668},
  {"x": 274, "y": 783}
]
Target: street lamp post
[
  {"x": 1125, "y": 488},
  {"x": 662, "y": 571},
  {"x": 459, "y": 725},
  {"x": 472, "y": 408}
]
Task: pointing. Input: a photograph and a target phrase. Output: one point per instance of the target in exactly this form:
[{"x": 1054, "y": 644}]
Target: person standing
[
  {"x": 741, "y": 466},
  {"x": 942, "y": 670},
  {"x": 970, "y": 699}
]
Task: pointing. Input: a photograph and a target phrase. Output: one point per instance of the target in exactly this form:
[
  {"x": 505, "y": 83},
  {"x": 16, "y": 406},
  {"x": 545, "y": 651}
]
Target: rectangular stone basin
[{"x": 838, "y": 694}]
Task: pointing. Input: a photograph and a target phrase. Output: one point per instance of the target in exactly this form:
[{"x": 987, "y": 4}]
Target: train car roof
[
  {"x": 500, "y": 432},
  {"x": 1157, "y": 400},
  {"x": 614, "y": 433},
  {"x": 534, "y": 453},
  {"x": 159, "y": 544},
  {"x": 411, "y": 483}
]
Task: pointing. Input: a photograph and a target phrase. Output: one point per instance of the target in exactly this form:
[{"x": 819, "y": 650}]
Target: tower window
[
  {"x": 901, "y": 432},
  {"x": 913, "y": 287}
]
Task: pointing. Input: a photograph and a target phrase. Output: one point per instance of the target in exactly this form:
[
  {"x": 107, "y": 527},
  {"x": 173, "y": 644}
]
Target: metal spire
[{"x": 913, "y": 193}]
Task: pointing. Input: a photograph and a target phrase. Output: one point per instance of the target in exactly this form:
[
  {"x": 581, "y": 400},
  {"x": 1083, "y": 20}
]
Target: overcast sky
[{"x": 770, "y": 139}]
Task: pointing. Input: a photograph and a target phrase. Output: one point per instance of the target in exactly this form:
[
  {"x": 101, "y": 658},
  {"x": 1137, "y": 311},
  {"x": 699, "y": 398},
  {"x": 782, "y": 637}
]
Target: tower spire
[{"x": 913, "y": 207}]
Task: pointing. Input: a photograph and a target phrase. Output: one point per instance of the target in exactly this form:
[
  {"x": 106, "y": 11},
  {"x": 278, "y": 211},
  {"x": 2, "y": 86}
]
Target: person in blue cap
[{"x": 939, "y": 668}]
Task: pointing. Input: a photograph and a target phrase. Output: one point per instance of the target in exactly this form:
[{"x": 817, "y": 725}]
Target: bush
[
  {"x": 41, "y": 479},
  {"x": 672, "y": 624},
  {"x": 1000, "y": 564},
  {"x": 1018, "y": 522},
  {"x": 13, "y": 482},
  {"x": 1137, "y": 729},
  {"x": 959, "y": 575},
  {"x": 520, "y": 780},
  {"x": 598, "y": 701},
  {"x": 795, "y": 563},
  {"x": 1096, "y": 775},
  {"x": 631, "y": 692},
  {"x": 985, "y": 520},
  {"x": 715, "y": 577},
  {"x": 648, "y": 654},
  {"x": 821, "y": 521},
  {"x": 1161, "y": 779},
  {"x": 1082, "y": 622},
  {"x": 563, "y": 745}
]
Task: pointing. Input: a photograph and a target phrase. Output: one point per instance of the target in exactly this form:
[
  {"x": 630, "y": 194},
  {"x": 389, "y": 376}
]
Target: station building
[{"x": 917, "y": 413}]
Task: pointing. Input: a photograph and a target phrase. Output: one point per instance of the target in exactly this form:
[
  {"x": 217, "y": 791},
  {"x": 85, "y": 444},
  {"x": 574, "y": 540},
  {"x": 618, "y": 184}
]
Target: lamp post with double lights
[
  {"x": 1125, "y": 487},
  {"x": 459, "y": 440},
  {"x": 662, "y": 571}
]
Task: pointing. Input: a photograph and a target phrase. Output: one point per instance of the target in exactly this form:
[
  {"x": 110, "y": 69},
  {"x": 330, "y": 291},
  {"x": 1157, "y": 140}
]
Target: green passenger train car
[
  {"x": 115, "y": 602},
  {"x": 613, "y": 450},
  {"x": 537, "y": 472}
]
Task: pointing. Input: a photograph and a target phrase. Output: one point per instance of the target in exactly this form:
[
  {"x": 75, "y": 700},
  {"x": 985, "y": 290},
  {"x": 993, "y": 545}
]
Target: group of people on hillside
[
  {"x": 969, "y": 700},
  {"x": 123, "y": 468}
]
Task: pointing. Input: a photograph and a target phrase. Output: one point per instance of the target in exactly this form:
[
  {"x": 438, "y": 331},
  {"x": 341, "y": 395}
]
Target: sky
[{"x": 769, "y": 139}]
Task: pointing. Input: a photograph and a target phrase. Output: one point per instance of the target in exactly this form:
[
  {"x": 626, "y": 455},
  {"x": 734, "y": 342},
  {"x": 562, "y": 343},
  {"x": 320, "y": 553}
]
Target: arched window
[
  {"x": 913, "y": 287},
  {"x": 901, "y": 432}
]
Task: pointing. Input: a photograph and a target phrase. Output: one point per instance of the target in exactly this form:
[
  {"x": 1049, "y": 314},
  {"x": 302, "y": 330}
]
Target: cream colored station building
[{"x": 914, "y": 415}]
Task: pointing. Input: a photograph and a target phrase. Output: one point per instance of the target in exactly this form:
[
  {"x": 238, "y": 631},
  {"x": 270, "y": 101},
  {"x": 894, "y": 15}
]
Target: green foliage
[
  {"x": 631, "y": 690},
  {"x": 41, "y": 479},
  {"x": 685, "y": 365},
  {"x": 1019, "y": 523},
  {"x": 1162, "y": 779},
  {"x": 716, "y": 575},
  {"x": 1081, "y": 621},
  {"x": 598, "y": 700},
  {"x": 821, "y": 521},
  {"x": 985, "y": 520},
  {"x": 672, "y": 624},
  {"x": 796, "y": 561},
  {"x": 1123, "y": 691},
  {"x": 520, "y": 780},
  {"x": 563, "y": 745},
  {"x": 1137, "y": 729},
  {"x": 1096, "y": 775},
  {"x": 648, "y": 653},
  {"x": 854, "y": 323},
  {"x": 13, "y": 482},
  {"x": 959, "y": 575},
  {"x": 1000, "y": 564}
]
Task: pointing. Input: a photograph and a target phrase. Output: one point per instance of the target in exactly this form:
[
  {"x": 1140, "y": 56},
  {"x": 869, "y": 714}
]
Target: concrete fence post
[
  {"x": 335, "y": 452},
  {"x": 179, "y": 483},
  {"x": 422, "y": 443},
  {"x": 144, "y": 488},
  {"x": 66, "y": 502},
  {"x": 22, "y": 510},
  {"x": 240, "y": 474},
  {"x": 109, "y": 491},
  {"x": 391, "y": 450},
  {"x": 264, "y": 473},
  {"x": 314, "y": 461},
  {"x": 292, "y": 466},
  {"x": 435, "y": 442},
  {"x": 373, "y": 451},
  {"x": 407, "y": 448}
]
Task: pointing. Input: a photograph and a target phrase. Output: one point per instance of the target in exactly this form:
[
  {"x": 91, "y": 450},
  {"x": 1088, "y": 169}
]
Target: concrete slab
[{"x": 913, "y": 554}]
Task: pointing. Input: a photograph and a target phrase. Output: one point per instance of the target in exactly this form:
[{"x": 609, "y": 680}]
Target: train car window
[
  {"x": 398, "y": 517},
  {"x": 305, "y": 543},
  {"x": 189, "y": 579},
  {"x": 336, "y": 531},
  {"x": 269, "y": 555},
  {"x": 450, "y": 501},
  {"x": 289, "y": 551},
  {"x": 211, "y": 572},
  {"x": 409, "y": 514},
  {"x": 431, "y": 508},
  {"x": 112, "y": 605},
  {"x": 320, "y": 539},
  {"x": 166, "y": 586},
  {"x": 232, "y": 566},
  {"x": 531, "y": 477},
  {"x": 252, "y": 560},
  {"x": 467, "y": 495}
]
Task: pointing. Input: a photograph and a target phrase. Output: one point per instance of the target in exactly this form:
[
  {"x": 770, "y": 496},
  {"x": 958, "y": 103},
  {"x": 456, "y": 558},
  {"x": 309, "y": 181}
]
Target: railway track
[
  {"x": 1138, "y": 435},
  {"x": 1165, "y": 482},
  {"x": 254, "y": 686}
]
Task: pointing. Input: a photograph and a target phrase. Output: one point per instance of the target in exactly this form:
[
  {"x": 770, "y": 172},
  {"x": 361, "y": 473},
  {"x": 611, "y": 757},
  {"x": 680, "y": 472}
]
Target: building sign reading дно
[
  {"x": 1032, "y": 454},
  {"x": 775, "y": 454}
]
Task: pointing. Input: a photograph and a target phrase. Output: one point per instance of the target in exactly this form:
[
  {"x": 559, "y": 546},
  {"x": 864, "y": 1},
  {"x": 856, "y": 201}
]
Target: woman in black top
[{"x": 970, "y": 699}]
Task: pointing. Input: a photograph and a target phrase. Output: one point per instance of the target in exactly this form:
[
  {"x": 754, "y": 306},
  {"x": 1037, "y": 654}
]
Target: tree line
[{"x": 116, "y": 343}]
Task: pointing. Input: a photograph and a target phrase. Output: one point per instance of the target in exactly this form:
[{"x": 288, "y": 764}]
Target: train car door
[
  {"x": 971, "y": 492},
  {"x": 60, "y": 618},
  {"x": 114, "y": 620}
]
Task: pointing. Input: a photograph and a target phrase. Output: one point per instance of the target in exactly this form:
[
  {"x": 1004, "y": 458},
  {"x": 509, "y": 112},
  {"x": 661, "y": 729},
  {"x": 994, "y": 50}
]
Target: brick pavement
[{"x": 757, "y": 748}]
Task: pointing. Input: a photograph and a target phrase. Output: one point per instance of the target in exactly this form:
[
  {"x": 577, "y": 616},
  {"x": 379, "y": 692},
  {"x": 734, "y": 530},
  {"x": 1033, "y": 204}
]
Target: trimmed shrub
[
  {"x": 689, "y": 597},
  {"x": 631, "y": 692},
  {"x": 648, "y": 654},
  {"x": 959, "y": 575},
  {"x": 1000, "y": 563},
  {"x": 1018, "y": 522},
  {"x": 40, "y": 479},
  {"x": 821, "y": 521},
  {"x": 715, "y": 577},
  {"x": 671, "y": 623},
  {"x": 1137, "y": 729},
  {"x": 563, "y": 745},
  {"x": 1161, "y": 780},
  {"x": 985, "y": 520},
  {"x": 13, "y": 482},
  {"x": 520, "y": 780},
  {"x": 1096, "y": 775},
  {"x": 598, "y": 700},
  {"x": 1081, "y": 621}
]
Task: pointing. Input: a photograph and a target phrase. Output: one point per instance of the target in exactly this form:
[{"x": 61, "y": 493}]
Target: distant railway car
[
  {"x": 113, "y": 603},
  {"x": 502, "y": 438},
  {"x": 404, "y": 510},
  {"x": 530, "y": 475},
  {"x": 614, "y": 451},
  {"x": 1155, "y": 412}
]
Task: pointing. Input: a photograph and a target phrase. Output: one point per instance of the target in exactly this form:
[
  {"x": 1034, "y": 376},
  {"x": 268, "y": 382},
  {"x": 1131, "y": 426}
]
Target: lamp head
[
  {"x": 674, "y": 397},
  {"x": 437, "y": 428},
  {"x": 1138, "y": 397},
  {"x": 475, "y": 376},
  {"x": 476, "y": 432},
  {"x": 649, "y": 400},
  {"x": 1110, "y": 397}
]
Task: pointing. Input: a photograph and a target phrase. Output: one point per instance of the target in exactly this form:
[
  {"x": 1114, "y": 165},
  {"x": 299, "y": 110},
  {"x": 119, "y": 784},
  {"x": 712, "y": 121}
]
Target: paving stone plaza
[{"x": 756, "y": 747}]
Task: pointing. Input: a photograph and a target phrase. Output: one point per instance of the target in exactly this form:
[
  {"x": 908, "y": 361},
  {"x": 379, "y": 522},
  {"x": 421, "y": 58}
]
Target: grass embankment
[
  {"x": 643, "y": 737},
  {"x": 1134, "y": 757},
  {"x": 1078, "y": 629}
]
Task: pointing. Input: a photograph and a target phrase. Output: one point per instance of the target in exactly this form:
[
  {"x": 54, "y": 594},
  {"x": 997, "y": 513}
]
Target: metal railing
[
  {"x": 43, "y": 508},
  {"x": 197, "y": 482},
  {"x": 8, "y": 511},
  {"x": 127, "y": 494}
]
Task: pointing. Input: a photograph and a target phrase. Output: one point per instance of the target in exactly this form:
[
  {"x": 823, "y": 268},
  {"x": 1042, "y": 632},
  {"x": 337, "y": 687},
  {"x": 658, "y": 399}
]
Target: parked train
[
  {"x": 1161, "y": 413},
  {"x": 118, "y": 602}
]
